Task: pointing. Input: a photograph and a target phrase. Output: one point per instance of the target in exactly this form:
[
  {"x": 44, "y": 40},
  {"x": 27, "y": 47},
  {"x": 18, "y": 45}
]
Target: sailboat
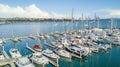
[
  {"x": 14, "y": 52},
  {"x": 37, "y": 46}
]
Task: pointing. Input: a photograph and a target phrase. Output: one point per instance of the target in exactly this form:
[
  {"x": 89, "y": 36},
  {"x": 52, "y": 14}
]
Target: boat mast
[
  {"x": 96, "y": 21},
  {"x": 12, "y": 31},
  {"x": 82, "y": 19},
  {"x": 13, "y": 35},
  {"x": 98, "y": 25},
  {"x": 72, "y": 15},
  {"x": 72, "y": 18},
  {"x": 111, "y": 24}
]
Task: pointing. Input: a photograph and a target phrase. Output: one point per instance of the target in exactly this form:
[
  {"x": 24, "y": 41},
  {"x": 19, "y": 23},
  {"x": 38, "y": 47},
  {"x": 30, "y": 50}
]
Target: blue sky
[{"x": 88, "y": 7}]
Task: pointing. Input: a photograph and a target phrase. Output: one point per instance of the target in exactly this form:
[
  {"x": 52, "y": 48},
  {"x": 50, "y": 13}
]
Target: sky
[{"x": 59, "y": 8}]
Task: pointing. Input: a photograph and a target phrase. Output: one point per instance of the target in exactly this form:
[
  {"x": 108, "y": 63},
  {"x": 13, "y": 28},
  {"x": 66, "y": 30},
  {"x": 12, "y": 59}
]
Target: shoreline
[{"x": 41, "y": 20}]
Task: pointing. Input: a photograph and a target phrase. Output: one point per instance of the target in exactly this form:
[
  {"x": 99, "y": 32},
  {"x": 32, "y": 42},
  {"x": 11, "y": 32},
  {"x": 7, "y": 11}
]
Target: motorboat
[
  {"x": 15, "y": 53},
  {"x": 57, "y": 44},
  {"x": 24, "y": 62},
  {"x": 84, "y": 50},
  {"x": 46, "y": 36},
  {"x": 73, "y": 49},
  {"x": 38, "y": 58},
  {"x": 37, "y": 47},
  {"x": 50, "y": 54},
  {"x": 62, "y": 52}
]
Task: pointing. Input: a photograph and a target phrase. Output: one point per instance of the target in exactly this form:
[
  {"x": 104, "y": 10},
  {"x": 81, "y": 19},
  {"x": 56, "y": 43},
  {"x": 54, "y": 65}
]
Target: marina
[
  {"x": 59, "y": 33},
  {"x": 88, "y": 42}
]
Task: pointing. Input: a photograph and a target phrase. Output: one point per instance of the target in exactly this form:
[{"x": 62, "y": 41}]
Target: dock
[
  {"x": 7, "y": 61},
  {"x": 31, "y": 49},
  {"x": 56, "y": 64},
  {"x": 47, "y": 44},
  {"x": 49, "y": 34},
  {"x": 79, "y": 57}
]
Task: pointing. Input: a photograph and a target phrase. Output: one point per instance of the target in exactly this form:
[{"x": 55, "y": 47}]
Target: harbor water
[{"x": 111, "y": 58}]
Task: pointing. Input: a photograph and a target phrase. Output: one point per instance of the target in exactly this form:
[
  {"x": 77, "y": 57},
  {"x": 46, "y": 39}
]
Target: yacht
[
  {"x": 15, "y": 53},
  {"x": 46, "y": 36},
  {"x": 62, "y": 52},
  {"x": 24, "y": 62},
  {"x": 84, "y": 52},
  {"x": 65, "y": 42},
  {"x": 57, "y": 44},
  {"x": 38, "y": 58},
  {"x": 1, "y": 42},
  {"x": 31, "y": 37},
  {"x": 84, "y": 49},
  {"x": 73, "y": 49},
  {"x": 56, "y": 34},
  {"x": 50, "y": 54},
  {"x": 41, "y": 36}
]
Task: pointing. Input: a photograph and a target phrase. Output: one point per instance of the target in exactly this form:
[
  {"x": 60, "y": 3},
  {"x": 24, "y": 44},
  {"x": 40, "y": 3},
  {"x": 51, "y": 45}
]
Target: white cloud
[
  {"x": 31, "y": 11},
  {"x": 109, "y": 12},
  {"x": 56, "y": 15}
]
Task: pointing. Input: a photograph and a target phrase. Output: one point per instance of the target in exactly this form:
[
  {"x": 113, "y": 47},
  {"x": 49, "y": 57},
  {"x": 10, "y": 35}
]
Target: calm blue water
[{"x": 109, "y": 59}]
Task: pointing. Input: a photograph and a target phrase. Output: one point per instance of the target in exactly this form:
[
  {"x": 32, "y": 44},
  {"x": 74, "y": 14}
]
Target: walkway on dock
[
  {"x": 31, "y": 49},
  {"x": 7, "y": 61}
]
